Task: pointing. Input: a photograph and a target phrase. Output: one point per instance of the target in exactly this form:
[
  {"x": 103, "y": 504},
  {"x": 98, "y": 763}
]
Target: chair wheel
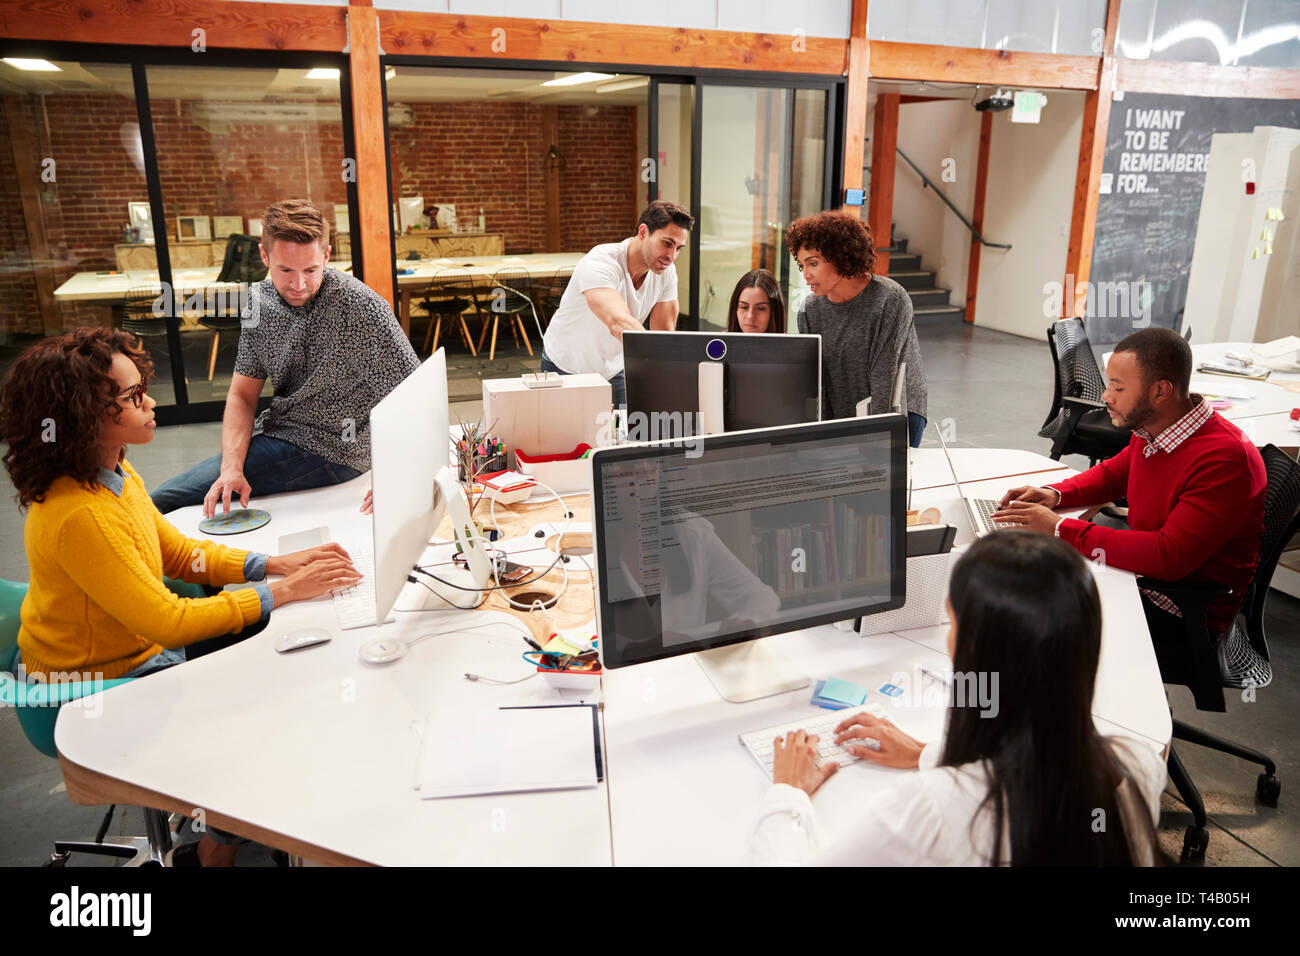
[
  {"x": 58, "y": 859},
  {"x": 1195, "y": 842},
  {"x": 1268, "y": 788}
]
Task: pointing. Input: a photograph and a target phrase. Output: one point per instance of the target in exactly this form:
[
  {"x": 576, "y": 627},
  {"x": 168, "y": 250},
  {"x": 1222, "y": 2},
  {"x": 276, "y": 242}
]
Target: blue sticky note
[
  {"x": 843, "y": 691},
  {"x": 820, "y": 701},
  {"x": 891, "y": 690}
]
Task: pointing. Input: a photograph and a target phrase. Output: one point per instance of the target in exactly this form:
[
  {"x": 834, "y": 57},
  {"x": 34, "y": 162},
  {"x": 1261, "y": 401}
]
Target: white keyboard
[
  {"x": 759, "y": 742},
  {"x": 355, "y": 606},
  {"x": 981, "y": 510}
]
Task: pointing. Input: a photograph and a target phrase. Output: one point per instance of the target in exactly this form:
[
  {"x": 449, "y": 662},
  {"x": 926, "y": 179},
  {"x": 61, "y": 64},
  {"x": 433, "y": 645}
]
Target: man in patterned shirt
[
  {"x": 1195, "y": 487},
  {"x": 332, "y": 349}
]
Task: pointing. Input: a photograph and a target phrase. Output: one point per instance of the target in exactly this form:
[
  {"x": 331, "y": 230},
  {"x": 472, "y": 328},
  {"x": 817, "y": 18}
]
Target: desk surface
[{"x": 315, "y": 752}]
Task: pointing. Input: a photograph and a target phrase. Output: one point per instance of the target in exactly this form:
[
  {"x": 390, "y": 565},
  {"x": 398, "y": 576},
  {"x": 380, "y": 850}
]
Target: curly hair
[
  {"x": 842, "y": 239},
  {"x": 53, "y": 403}
]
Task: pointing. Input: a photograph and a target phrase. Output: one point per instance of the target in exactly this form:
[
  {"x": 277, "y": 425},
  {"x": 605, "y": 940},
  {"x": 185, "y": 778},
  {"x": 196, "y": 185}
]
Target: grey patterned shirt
[
  {"x": 863, "y": 340},
  {"x": 330, "y": 361}
]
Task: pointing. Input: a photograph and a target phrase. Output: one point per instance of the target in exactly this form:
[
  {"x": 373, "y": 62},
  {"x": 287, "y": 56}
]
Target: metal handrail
[{"x": 965, "y": 222}]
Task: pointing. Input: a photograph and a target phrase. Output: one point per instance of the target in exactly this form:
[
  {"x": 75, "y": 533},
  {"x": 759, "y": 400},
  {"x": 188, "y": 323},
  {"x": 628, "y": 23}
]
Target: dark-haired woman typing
[
  {"x": 1024, "y": 785},
  {"x": 756, "y": 304}
]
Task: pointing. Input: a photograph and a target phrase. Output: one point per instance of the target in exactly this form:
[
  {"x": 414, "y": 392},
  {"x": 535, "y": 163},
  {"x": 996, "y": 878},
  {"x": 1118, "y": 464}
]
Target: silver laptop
[{"x": 978, "y": 510}]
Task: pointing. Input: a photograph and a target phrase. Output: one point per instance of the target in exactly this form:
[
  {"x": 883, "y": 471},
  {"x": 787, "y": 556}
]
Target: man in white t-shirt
[{"x": 616, "y": 287}]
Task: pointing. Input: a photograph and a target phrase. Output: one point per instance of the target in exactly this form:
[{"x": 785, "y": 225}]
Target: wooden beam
[
  {"x": 27, "y": 164},
  {"x": 411, "y": 33},
  {"x": 374, "y": 230},
  {"x": 905, "y": 99},
  {"x": 551, "y": 174},
  {"x": 1201, "y": 79},
  {"x": 1087, "y": 180},
  {"x": 171, "y": 23},
  {"x": 951, "y": 64},
  {"x": 855, "y": 101},
  {"x": 884, "y": 152},
  {"x": 977, "y": 215}
]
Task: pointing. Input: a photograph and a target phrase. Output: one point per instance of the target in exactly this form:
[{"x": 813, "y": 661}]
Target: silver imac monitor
[
  {"x": 705, "y": 547},
  {"x": 731, "y": 380},
  {"x": 414, "y": 486}
]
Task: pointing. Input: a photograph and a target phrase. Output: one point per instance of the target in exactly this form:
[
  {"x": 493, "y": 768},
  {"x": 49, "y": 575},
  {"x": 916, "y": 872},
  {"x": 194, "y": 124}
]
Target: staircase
[{"x": 930, "y": 305}]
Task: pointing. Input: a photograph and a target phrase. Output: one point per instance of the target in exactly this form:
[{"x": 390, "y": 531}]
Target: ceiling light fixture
[
  {"x": 41, "y": 66},
  {"x": 323, "y": 73},
  {"x": 573, "y": 79}
]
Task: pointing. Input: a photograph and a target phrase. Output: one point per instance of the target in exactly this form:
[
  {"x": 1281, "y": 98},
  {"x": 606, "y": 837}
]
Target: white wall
[
  {"x": 1028, "y": 203},
  {"x": 931, "y": 133}
]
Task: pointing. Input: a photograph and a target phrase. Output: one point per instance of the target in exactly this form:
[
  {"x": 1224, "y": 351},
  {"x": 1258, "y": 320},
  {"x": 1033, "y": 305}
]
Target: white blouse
[{"x": 923, "y": 820}]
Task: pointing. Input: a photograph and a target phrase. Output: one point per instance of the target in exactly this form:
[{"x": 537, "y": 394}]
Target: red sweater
[{"x": 1196, "y": 513}]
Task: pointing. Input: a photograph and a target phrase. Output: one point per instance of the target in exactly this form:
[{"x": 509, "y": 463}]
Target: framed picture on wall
[
  {"x": 411, "y": 209},
  {"x": 193, "y": 227},
  {"x": 223, "y": 226},
  {"x": 341, "y": 219},
  {"x": 254, "y": 227},
  {"x": 139, "y": 217}
]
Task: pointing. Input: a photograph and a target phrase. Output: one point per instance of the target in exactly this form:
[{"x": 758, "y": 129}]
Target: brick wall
[{"x": 492, "y": 155}]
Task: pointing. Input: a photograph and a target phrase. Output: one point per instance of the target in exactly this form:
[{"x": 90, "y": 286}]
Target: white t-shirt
[
  {"x": 924, "y": 819},
  {"x": 576, "y": 340}
]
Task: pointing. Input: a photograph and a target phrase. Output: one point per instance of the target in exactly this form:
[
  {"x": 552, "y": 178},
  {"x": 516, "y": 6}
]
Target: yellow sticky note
[
  {"x": 1266, "y": 235},
  {"x": 1255, "y": 253},
  {"x": 558, "y": 645},
  {"x": 1268, "y": 249}
]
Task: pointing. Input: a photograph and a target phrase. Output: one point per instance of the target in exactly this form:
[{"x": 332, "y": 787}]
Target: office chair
[
  {"x": 1240, "y": 660},
  {"x": 38, "y": 706},
  {"x": 449, "y": 293},
  {"x": 242, "y": 264},
  {"x": 511, "y": 295},
  {"x": 1078, "y": 423}
]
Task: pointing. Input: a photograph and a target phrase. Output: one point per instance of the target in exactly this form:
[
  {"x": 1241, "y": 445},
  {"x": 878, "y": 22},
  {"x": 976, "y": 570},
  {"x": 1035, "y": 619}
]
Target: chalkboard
[{"x": 1152, "y": 179}]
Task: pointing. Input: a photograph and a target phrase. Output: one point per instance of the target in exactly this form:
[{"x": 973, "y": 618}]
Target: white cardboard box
[{"x": 547, "y": 421}]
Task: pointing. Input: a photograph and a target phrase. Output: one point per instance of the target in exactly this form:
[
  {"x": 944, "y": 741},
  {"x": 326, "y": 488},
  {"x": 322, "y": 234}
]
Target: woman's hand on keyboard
[
  {"x": 1018, "y": 514},
  {"x": 1048, "y": 497},
  {"x": 297, "y": 560},
  {"x": 320, "y": 576},
  {"x": 794, "y": 761},
  {"x": 897, "y": 749}
]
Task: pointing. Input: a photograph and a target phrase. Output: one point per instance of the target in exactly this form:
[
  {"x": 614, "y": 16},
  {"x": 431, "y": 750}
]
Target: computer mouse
[
  {"x": 382, "y": 651},
  {"x": 307, "y": 637}
]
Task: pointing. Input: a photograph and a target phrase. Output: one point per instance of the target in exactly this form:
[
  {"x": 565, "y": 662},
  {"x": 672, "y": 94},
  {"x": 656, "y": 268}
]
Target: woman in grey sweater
[{"x": 864, "y": 320}]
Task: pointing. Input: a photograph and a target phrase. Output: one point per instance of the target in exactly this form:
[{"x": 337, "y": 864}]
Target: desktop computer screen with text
[{"x": 748, "y": 534}]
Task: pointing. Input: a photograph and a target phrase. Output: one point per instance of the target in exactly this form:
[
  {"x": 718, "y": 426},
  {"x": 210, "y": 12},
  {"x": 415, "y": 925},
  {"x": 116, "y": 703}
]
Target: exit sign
[{"x": 1029, "y": 107}]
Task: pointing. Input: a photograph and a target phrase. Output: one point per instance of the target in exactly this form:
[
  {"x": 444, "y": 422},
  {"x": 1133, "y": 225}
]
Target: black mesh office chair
[
  {"x": 1078, "y": 423},
  {"x": 511, "y": 297},
  {"x": 449, "y": 293},
  {"x": 1240, "y": 660},
  {"x": 242, "y": 264},
  {"x": 550, "y": 299},
  {"x": 139, "y": 319}
]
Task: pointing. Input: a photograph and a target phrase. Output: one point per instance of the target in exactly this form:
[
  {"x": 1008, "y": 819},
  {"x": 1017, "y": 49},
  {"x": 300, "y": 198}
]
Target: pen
[{"x": 533, "y": 644}]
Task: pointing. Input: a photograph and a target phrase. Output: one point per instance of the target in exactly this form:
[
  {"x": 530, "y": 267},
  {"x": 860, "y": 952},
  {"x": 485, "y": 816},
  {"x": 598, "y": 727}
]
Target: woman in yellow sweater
[{"x": 97, "y": 548}]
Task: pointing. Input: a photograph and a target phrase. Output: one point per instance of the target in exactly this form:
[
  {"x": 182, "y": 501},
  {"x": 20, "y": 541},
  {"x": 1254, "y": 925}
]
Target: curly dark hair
[
  {"x": 53, "y": 403},
  {"x": 842, "y": 239}
]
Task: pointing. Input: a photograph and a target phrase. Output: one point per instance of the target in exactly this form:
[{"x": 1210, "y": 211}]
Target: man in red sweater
[{"x": 1194, "y": 483}]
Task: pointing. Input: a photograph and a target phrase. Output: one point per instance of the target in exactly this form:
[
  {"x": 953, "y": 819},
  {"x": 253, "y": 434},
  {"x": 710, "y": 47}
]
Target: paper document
[
  {"x": 1278, "y": 347},
  {"x": 511, "y": 750},
  {"x": 1222, "y": 387}
]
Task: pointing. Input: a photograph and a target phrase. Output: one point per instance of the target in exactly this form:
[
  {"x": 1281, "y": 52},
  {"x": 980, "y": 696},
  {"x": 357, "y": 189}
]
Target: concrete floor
[{"x": 996, "y": 388}]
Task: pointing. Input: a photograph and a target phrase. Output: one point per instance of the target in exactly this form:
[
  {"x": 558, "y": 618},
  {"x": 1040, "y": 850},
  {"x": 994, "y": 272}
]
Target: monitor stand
[
  {"x": 749, "y": 671},
  {"x": 712, "y": 395}
]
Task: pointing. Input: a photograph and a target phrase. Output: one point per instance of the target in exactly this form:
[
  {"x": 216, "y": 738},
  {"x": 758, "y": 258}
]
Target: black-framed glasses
[{"x": 136, "y": 393}]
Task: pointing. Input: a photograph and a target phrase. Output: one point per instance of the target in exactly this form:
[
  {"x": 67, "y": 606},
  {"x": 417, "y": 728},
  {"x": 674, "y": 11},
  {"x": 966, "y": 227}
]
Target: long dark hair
[
  {"x": 761, "y": 279},
  {"x": 53, "y": 404},
  {"x": 1027, "y": 610}
]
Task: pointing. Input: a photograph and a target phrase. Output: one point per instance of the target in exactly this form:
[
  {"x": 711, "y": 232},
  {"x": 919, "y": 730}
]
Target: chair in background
[
  {"x": 550, "y": 299},
  {"x": 448, "y": 295},
  {"x": 511, "y": 296},
  {"x": 1240, "y": 660},
  {"x": 242, "y": 264},
  {"x": 37, "y": 707},
  {"x": 139, "y": 319},
  {"x": 1078, "y": 423}
]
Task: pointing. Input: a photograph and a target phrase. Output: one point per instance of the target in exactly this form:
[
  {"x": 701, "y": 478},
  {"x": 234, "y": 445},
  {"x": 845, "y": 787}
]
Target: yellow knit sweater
[{"x": 97, "y": 603}]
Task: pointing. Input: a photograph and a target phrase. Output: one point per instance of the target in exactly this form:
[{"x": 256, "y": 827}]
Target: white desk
[
  {"x": 682, "y": 788},
  {"x": 314, "y": 752}
]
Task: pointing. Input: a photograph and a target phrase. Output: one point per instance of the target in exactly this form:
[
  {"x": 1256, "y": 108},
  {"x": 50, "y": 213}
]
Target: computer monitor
[
  {"x": 717, "y": 542},
  {"x": 732, "y": 381},
  {"x": 414, "y": 486}
]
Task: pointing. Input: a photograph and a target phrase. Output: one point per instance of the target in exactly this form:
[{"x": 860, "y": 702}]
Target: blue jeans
[
  {"x": 915, "y": 429},
  {"x": 617, "y": 389},
  {"x": 272, "y": 467}
]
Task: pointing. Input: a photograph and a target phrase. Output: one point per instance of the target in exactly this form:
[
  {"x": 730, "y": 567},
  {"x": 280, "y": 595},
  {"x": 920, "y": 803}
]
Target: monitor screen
[
  {"x": 767, "y": 380},
  {"x": 744, "y": 535}
]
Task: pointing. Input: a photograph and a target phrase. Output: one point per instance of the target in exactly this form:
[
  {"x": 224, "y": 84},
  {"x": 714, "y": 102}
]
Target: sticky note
[
  {"x": 1268, "y": 249},
  {"x": 843, "y": 691},
  {"x": 890, "y": 690},
  {"x": 558, "y": 645},
  {"x": 1266, "y": 235},
  {"x": 1255, "y": 253}
]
